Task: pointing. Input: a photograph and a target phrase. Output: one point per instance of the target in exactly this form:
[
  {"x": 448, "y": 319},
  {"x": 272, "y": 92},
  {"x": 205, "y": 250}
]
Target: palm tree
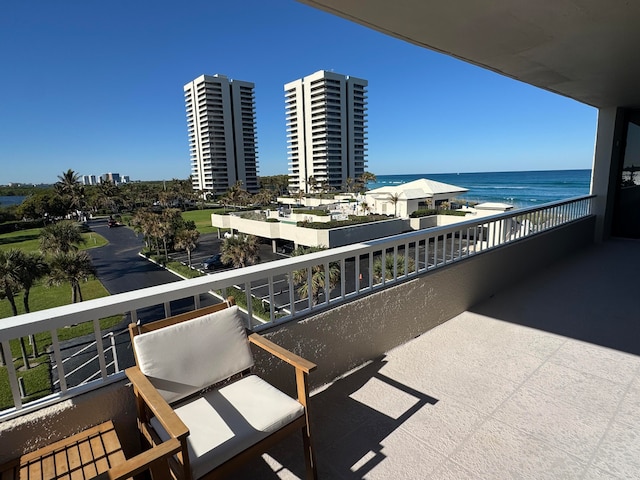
[
  {"x": 169, "y": 223},
  {"x": 61, "y": 237},
  {"x": 365, "y": 178},
  {"x": 394, "y": 198},
  {"x": 11, "y": 263},
  {"x": 187, "y": 239},
  {"x": 69, "y": 187},
  {"x": 318, "y": 278},
  {"x": 9, "y": 284},
  {"x": 349, "y": 185},
  {"x": 312, "y": 183},
  {"x": 72, "y": 267},
  {"x": 142, "y": 222},
  {"x": 236, "y": 196},
  {"x": 108, "y": 196},
  {"x": 30, "y": 268},
  {"x": 388, "y": 267},
  {"x": 264, "y": 197},
  {"x": 240, "y": 250}
]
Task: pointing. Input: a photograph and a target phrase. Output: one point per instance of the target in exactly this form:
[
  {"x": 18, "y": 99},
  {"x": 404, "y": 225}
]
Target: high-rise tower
[
  {"x": 222, "y": 133},
  {"x": 326, "y": 129}
]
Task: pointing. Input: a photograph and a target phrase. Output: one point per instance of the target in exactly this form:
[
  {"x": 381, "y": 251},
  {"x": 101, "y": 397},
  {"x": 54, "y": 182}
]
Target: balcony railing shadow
[{"x": 368, "y": 401}]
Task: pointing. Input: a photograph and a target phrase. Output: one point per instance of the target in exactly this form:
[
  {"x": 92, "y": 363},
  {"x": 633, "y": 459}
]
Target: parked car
[{"x": 214, "y": 262}]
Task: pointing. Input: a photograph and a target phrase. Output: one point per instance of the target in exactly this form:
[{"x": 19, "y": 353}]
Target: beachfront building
[
  {"x": 326, "y": 130},
  {"x": 222, "y": 133},
  {"x": 517, "y": 358},
  {"x": 404, "y": 199}
]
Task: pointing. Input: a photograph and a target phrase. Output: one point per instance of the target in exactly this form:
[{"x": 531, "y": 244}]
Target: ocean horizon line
[{"x": 483, "y": 172}]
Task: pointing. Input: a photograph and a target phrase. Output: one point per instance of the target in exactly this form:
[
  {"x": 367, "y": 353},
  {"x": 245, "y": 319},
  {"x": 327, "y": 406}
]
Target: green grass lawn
[
  {"x": 29, "y": 240},
  {"x": 202, "y": 218},
  {"x": 42, "y": 297}
]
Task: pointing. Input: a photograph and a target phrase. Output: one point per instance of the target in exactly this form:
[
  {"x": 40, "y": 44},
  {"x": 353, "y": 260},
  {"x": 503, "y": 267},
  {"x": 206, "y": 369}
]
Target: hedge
[
  {"x": 353, "y": 220},
  {"x": 308, "y": 211},
  {"x": 9, "y": 227},
  {"x": 432, "y": 211}
]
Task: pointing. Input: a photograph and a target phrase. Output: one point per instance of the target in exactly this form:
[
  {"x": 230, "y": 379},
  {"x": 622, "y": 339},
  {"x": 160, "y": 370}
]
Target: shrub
[
  {"x": 272, "y": 220},
  {"x": 353, "y": 220},
  {"x": 308, "y": 211},
  {"x": 9, "y": 227},
  {"x": 432, "y": 211},
  {"x": 424, "y": 213}
]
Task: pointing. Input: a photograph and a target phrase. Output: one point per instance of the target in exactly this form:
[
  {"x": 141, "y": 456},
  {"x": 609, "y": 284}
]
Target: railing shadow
[{"x": 364, "y": 401}]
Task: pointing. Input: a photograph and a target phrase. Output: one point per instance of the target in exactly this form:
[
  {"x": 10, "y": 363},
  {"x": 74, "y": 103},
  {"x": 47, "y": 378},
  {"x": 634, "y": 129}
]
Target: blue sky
[{"x": 97, "y": 87}]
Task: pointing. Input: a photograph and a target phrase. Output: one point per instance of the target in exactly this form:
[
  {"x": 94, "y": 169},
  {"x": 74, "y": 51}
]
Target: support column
[
  {"x": 274, "y": 244},
  {"x": 608, "y": 149}
]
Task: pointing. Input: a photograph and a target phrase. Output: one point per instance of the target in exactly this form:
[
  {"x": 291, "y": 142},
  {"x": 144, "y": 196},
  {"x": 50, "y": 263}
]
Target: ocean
[{"x": 521, "y": 189}]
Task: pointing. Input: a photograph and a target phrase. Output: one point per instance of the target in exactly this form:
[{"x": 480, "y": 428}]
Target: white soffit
[{"x": 583, "y": 49}]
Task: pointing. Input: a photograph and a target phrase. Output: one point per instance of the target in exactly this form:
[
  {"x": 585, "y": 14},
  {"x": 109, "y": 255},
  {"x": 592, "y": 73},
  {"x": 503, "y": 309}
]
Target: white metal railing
[{"x": 361, "y": 268}]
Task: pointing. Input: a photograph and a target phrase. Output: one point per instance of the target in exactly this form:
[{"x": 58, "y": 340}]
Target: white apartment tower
[
  {"x": 326, "y": 129},
  {"x": 222, "y": 133}
]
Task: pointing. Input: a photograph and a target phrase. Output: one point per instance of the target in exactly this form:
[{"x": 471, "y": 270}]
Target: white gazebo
[{"x": 404, "y": 199}]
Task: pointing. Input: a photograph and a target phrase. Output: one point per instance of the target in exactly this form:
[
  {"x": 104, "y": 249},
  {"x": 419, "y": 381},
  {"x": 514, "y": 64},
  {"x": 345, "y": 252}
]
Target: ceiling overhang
[{"x": 583, "y": 49}]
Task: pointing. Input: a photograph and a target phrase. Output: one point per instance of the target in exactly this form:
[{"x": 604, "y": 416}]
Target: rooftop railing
[{"x": 270, "y": 293}]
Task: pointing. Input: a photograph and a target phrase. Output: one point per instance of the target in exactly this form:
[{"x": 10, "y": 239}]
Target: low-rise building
[{"x": 404, "y": 199}]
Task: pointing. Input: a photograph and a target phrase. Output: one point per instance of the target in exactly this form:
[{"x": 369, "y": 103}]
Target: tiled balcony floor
[{"x": 541, "y": 381}]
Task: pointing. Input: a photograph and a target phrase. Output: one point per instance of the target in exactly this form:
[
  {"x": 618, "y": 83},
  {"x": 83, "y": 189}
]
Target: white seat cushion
[
  {"x": 224, "y": 422},
  {"x": 184, "y": 358}
]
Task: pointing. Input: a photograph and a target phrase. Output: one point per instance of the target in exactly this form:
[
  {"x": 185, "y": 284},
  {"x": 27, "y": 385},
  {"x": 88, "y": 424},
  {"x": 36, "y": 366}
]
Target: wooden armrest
[
  {"x": 142, "y": 461},
  {"x": 282, "y": 353},
  {"x": 157, "y": 404}
]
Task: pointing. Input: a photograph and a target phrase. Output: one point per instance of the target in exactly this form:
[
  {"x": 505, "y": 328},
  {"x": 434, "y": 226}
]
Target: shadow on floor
[
  {"x": 591, "y": 296},
  {"x": 339, "y": 413}
]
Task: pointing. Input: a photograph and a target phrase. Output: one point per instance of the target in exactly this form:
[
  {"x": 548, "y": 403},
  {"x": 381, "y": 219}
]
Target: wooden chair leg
[{"x": 309, "y": 456}]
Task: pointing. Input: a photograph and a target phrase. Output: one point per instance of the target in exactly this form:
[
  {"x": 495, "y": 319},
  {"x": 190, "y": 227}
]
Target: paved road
[{"x": 120, "y": 269}]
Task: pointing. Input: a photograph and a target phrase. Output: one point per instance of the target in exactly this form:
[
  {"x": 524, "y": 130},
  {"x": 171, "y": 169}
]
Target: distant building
[
  {"x": 89, "y": 180},
  {"x": 114, "y": 178},
  {"x": 326, "y": 129},
  {"x": 222, "y": 133},
  {"x": 111, "y": 177}
]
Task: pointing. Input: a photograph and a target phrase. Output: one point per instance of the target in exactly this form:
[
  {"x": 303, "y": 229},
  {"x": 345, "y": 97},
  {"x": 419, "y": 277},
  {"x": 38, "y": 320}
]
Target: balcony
[
  {"x": 509, "y": 347},
  {"x": 540, "y": 381}
]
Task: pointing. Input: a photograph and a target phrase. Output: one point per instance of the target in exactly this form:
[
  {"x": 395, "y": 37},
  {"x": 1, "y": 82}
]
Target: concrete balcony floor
[{"x": 540, "y": 381}]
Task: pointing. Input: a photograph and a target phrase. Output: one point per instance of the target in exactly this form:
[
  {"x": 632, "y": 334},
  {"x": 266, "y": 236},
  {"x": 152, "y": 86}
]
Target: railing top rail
[{"x": 57, "y": 317}]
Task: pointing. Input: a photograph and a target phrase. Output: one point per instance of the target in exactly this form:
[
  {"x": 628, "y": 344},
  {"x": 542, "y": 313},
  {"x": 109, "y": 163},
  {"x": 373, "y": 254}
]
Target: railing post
[{"x": 114, "y": 352}]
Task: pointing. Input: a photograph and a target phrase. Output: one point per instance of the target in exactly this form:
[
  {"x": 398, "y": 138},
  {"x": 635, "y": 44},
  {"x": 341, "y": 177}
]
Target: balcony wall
[{"x": 338, "y": 339}]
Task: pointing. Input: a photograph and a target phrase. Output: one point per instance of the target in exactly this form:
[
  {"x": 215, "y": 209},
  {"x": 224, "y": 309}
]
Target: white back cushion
[{"x": 181, "y": 359}]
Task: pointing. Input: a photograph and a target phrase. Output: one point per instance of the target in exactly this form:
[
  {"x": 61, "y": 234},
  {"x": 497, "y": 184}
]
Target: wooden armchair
[{"x": 192, "y": 383}]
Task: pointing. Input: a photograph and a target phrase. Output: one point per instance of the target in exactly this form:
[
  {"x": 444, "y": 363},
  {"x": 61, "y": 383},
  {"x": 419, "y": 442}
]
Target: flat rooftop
[{"x": 540, "y": 381}]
